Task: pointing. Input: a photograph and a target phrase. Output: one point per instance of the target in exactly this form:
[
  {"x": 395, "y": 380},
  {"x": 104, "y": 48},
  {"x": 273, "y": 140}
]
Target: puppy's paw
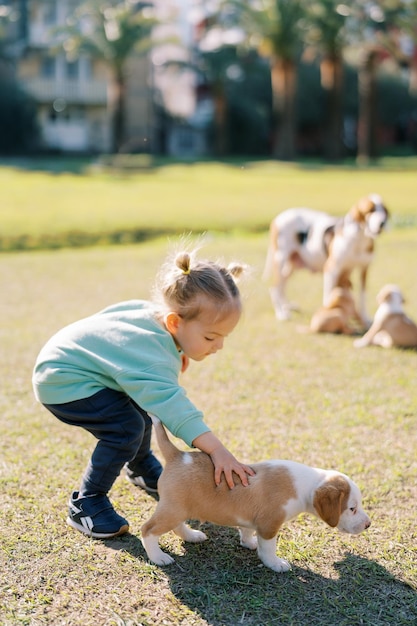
[
  {"x": 161, "y": 559},
  {"x": 358, "y": 343},
  {"x": 278, "y": 565},
  {"x": 248, "y": 539},
  {"x": 194, "y": 536},
  {"x": 154, "y": 552},
  {"x": 251, "y": 543}
]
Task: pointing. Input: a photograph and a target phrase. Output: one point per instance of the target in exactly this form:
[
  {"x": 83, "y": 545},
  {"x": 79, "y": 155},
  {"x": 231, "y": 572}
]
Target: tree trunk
[
  {"x": 367, "y": 107},
  {"x": 220, "y": 121},
  {"x": 332, "y": 83},
  {"x": 117, "y": 110},
  {"x": 283, "y": 79}
]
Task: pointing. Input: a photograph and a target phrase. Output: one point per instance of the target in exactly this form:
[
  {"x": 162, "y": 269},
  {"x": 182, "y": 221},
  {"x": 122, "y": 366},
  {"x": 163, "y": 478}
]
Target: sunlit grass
[
  {"x": 44, "y": 209},
  {"x": 272, "y": 392}
]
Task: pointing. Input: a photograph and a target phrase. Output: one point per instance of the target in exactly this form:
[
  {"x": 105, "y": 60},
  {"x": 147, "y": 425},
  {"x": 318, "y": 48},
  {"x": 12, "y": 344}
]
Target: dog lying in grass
[
  {"x": 279, "y": 491},
  {"x": 337, "y": 315},
  {"x": 391, "y": 327}
]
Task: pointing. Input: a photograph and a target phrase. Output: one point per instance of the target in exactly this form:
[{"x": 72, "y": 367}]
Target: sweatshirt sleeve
[{"x": 157, "y": 392}]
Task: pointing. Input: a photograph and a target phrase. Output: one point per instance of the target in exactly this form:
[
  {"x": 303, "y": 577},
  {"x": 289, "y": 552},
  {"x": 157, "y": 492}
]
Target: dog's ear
[
  {"x": 361, "y": 209},
  {"x": 329, "y": 499}
]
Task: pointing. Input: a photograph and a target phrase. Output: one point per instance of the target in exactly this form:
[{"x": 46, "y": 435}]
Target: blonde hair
[{"x": 187, "y": 286}]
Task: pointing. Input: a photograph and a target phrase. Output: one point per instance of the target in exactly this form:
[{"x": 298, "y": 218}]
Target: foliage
[
  {"x": 110, "y": 30},
  {"x": 19, "y": 131}
]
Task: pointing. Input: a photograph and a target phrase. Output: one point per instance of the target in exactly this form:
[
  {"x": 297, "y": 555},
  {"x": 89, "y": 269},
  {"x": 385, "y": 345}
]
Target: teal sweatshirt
[{"x": 125, "y": 348}]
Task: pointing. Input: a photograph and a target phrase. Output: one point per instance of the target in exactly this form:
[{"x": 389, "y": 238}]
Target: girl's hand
[{"x": 224, "y": 462}]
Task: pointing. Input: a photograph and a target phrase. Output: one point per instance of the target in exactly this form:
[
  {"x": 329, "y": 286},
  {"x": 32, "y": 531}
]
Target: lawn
[
  {"x": 271, "y": 393},
  {"x": 41, "y": 208}
]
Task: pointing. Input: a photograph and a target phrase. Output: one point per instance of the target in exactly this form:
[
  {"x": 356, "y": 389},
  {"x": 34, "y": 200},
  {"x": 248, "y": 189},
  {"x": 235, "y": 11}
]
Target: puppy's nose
[{"x": 368, "y": 523}]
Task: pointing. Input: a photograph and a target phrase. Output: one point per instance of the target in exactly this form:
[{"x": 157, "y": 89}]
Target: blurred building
[
  {"x": 166, "y": 111},
  {"x": 73, "y": 94}
]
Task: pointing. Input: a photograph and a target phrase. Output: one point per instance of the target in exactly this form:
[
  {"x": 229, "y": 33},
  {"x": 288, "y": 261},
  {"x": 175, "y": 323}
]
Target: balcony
[{"x": 93, "y": 92}]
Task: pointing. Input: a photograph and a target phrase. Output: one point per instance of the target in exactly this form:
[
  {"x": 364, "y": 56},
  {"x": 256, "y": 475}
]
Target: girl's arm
[{"x": 224, "y": 462}]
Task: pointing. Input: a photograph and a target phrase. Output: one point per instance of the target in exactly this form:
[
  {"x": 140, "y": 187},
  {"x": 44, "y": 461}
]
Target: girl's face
[{"x": 201, "y": 336}]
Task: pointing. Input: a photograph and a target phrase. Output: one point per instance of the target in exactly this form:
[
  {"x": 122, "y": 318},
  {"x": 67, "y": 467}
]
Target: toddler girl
[{"x": 108, "y": 372}]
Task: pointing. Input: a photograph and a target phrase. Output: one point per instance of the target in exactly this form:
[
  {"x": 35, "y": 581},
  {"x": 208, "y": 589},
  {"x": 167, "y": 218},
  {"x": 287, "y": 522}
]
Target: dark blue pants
[{"x": 123, "y": 431}]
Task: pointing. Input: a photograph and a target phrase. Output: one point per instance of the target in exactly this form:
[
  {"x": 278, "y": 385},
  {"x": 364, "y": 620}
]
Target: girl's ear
[{"x": 172, "y": 322}]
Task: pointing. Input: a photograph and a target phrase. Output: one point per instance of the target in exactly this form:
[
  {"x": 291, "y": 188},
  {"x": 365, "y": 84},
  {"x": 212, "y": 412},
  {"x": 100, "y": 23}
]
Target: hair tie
[{"x": 186, "y": 271}]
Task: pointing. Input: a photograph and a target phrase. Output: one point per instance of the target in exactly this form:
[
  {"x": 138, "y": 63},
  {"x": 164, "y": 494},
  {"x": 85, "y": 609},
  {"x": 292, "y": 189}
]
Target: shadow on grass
[{"x": 226, "y": 585}]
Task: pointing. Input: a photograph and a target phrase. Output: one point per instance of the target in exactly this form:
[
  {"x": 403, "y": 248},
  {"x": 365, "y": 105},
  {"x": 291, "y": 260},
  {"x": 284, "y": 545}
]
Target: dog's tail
[
  {"x": 169, "y": 451},
  {"x": 269, "y": 269}
]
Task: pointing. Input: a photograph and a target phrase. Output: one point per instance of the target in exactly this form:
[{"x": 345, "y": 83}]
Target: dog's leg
[
  {"x": 281, "y": 307},
  {"x": 154, "y": 552},
  {"x": 267, "y": 554},
  {"x": 161, "y": 522},
  {"x": 247, "y": 538},
  {"x": 362, "y": 298},
  {"x": 189, "y": 534},
  {"x": 368, "y": 338},
  {"x": 329, "y": 282},
  {"x": 383, "y": 339}
]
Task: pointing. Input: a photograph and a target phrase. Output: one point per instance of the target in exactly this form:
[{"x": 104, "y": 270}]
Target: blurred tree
[
  {"x": 274, "y": 28},
  {"x": 19, "y": 132},
  {"x": 326, "y": 37},
  {"x": 377, "y": 29},
  {"x": 112, "y": 31},
  {"x": 218, "y": 68}
]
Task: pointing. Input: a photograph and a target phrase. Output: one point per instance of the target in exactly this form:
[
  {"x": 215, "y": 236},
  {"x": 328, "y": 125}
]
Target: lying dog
[
  {"x": 336, "y": 316},
  {"x": 391, "y": 326},
  {"x": 279, "y": 491},
  {"x": 303, "y": 238}
]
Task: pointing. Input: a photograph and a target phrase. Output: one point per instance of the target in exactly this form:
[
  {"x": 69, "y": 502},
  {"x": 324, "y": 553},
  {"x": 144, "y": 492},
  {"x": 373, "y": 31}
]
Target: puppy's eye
[{"x": 353, "y": 509}]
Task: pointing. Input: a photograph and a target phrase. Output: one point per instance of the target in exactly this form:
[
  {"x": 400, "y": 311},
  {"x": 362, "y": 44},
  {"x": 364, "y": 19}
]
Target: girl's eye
[{"x": 208, "y": 338}]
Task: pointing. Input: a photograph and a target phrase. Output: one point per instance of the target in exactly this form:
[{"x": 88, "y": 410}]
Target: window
[
  {"x": 48, "y": 67},
  {"x": 72, "y": 69},
  {"x": 50, "y": 13}
]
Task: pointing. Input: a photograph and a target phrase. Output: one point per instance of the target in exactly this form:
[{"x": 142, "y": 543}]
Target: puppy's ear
[
  {"x": 329, "y": 500},
  {"x": 361, "y": 209}
]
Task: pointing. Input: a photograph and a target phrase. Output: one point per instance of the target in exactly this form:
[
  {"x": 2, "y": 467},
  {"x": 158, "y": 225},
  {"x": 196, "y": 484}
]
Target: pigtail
[
  {"x": 186, "y": 285},
  {"x": 183, "y": 262},
  {"x": 236, "y": 270}
]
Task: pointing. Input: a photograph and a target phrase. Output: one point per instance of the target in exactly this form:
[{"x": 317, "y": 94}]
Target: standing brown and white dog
[
  {"x": 391, "y": 326},
  {"x": 279, "y": 491},
  {"x": 304, "y": 238}
]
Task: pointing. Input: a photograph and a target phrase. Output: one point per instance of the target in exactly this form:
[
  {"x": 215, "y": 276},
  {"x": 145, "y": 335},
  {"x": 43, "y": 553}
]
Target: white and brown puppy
[
  {"x": 391, "y": 326},
  {"x": 337, "y": 315},
  {"x": 279, "y": 491},
  {"x": 304, "y": 238}
]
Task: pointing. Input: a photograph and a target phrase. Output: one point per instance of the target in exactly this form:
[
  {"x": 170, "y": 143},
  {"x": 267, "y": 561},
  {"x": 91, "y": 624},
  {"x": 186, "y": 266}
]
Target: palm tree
[
  {"x": 111, "y": 31},
  {"x": 275, "y": 28},
  {"x": 377, "y": 27},
  {"x": 326, "y": 33}
]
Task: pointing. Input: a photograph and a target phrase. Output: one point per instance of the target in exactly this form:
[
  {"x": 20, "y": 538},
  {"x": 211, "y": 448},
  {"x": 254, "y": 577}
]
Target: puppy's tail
[{"x": 166, "y": 446}]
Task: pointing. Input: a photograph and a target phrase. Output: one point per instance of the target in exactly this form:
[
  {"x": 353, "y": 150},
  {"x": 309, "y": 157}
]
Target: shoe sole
[
  {"x": 90, "y": 533},
  {"x": 141, "y": 484}
]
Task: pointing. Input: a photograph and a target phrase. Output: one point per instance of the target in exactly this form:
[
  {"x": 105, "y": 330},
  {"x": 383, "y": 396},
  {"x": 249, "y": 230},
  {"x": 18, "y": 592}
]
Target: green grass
[
  {"x": 57, "y": 205},
  {"x": 271, "y": 393}
]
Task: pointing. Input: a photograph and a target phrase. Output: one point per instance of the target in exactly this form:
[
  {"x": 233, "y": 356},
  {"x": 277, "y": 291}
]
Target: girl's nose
[{"x": 219, "y": 344}]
